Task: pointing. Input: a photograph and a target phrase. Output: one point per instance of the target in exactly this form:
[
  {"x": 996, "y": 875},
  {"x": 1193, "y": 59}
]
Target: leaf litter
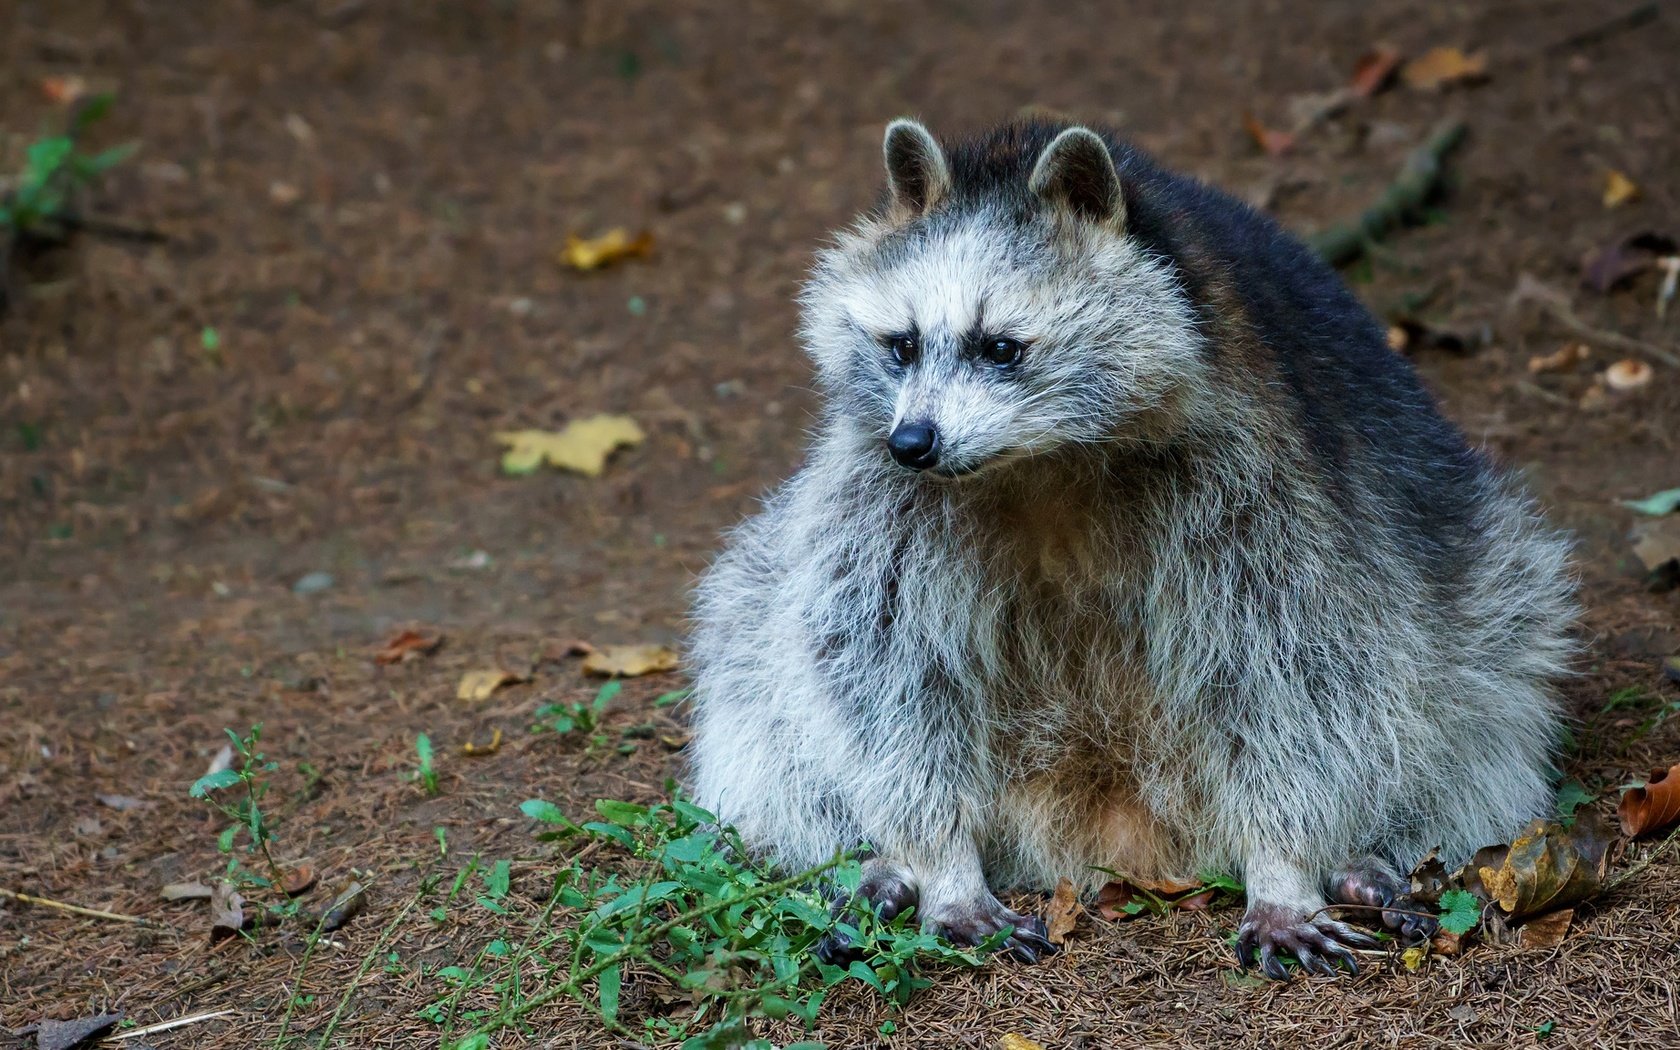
[
  {"x": 479, "y": 685},
  {"x": 617, "y": 244},
  {"x": 629, "y": 661},
  {"x": 408, "y": 645},
  {"x": 582, "y": 446},
  {"x": 1441, "y": 67},
  {"x": 1652, "y": 806}
]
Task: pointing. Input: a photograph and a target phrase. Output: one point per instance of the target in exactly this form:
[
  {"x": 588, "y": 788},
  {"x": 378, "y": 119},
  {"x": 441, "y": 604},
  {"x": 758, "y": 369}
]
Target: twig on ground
[
  {"x": 77, "y": 909},
  {"x": 164, "y": 1026},
  {"x": 1419, "y": 177},
  {"x": 1556, "y": 304},
  {"x": 1632, "y": 18},
  {"x": 1644, "y": 862}
]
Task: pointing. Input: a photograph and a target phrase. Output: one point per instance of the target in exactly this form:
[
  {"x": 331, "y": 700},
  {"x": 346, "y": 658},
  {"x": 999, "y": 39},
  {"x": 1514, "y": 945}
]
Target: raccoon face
[{"x": 969, "y": 327}]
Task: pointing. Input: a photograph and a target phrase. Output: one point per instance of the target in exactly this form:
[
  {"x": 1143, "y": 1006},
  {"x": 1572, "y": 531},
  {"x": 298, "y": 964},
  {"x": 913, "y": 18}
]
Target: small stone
[{"x": 313, "y": 583}]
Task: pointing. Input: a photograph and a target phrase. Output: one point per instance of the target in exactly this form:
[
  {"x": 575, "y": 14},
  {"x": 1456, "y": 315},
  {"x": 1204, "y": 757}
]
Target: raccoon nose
[{"x": 914, "y": 445}]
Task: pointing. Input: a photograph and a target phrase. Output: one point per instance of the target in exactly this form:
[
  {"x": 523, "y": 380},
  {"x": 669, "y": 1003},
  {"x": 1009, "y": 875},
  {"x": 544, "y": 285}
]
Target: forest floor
[{"x": 364, "y": 203}]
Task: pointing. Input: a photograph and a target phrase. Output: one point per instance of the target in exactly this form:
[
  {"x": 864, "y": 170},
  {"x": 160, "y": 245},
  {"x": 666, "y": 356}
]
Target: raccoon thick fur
[{"x": 1187, "y": 572}]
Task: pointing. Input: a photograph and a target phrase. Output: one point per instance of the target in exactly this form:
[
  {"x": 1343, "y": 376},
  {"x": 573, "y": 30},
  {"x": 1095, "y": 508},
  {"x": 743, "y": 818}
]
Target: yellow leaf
[
  {"x": 495, "y": 745},
  {"x": 592, "y": 253},
  {"x": 582, "y": 446},
  {"x": 1018, "y": 1042},
  {"x": 478, "y": 685},
  {"x": 1413, "y": 958},
  {"x": 1618, "y": 189},
  {"x": 1441, "y": 66},
  {"x": 629, "y": 661}
]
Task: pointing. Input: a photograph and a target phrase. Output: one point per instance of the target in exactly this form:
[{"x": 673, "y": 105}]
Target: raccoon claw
[
  {"x": 1321, "y": 945},
  {"x": 888, "y": 896},
  {"x": 1373, "y": 887},
  {"x": 1028, "y": 940}
]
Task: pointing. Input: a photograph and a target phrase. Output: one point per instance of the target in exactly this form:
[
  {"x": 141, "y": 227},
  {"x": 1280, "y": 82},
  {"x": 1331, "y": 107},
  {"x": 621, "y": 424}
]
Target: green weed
[{"x": 39, "y": 202}]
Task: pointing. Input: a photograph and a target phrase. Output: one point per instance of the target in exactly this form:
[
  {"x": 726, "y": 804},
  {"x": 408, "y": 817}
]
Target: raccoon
[{"x": 1125, "y": 543}]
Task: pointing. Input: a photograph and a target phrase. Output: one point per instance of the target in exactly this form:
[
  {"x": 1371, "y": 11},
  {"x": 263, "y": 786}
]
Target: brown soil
[{"x": 158, "y": 502}]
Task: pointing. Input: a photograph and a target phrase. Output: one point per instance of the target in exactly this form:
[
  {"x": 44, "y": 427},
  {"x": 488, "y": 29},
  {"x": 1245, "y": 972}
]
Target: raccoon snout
[{"x": 914, "y": 445}]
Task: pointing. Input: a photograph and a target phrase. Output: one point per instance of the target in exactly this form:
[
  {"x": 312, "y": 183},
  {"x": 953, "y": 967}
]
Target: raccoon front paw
[
  {"x": 1374, "y": 887},
  {"x": 1320, "y": 944},
  {"x": 970, "y": 924},
  {"x": 887, "y": 893}
]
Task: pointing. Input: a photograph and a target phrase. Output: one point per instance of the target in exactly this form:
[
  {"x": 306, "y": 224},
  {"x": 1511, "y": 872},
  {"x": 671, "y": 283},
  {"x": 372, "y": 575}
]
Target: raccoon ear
[
  {"x": 1076, "y": 172},
  {"x": 916, "y": 170}
]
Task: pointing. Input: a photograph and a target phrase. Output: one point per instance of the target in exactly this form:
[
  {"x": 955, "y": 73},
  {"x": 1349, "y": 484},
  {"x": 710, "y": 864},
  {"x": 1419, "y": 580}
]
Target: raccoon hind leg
[{"x": 1373, "y": 885}]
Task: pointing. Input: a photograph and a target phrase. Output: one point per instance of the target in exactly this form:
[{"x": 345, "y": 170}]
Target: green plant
[
  {"x": 679, "y": 902},
  {"x": 577, "y": 716},
  {"x": 1460, "y": 911},
  {"x": 248, "y": 836},
  {"x": 424, "y": 773},
  {"x": 39, "y": 202}
]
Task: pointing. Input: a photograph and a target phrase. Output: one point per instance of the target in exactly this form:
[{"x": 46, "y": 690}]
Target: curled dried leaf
[
  {"x": 1374, "y": 70},
  {"x": 1430, "y": 879},
  {"x": 1653, "y": 806},
  {"x": 592, "y": 253},
  {"x": 227, "y": 911},
  {"x": 406, "y": 646},
  {"x": 1441, "y": 66},
  {"x": 479, "y": 685},
  {"x": 344, "y": 907},
  {"x": 1618, "y": 189},
  {"x": 1546, "y": 931},
  {"x": 494, "y": 745},
  {"x": 1275, "y": 143},
  {"x": 1063, "y": 913},
  {"x": 629, "y": 661},
  {"x": 298, "y": 881},
  {"x": 1550, "y": 866},
  {"x": 1562, "y": 359}
]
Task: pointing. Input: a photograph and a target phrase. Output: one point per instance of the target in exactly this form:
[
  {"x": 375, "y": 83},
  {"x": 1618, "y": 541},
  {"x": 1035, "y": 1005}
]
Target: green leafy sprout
[
  {"x": 1460, "y": 911},
  {"x": 39, "y": 200}
]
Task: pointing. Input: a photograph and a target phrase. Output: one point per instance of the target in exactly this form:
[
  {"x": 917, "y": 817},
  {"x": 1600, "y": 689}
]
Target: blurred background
[{"x": 253, "y": 373}]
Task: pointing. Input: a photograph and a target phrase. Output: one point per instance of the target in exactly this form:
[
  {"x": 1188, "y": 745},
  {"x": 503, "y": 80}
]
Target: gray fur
[{"x": 1140, "y": 631}]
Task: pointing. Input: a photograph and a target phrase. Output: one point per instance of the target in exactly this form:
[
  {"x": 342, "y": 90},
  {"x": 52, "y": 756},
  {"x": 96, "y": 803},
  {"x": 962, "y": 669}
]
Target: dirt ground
[{"x": 364, "y": 201}]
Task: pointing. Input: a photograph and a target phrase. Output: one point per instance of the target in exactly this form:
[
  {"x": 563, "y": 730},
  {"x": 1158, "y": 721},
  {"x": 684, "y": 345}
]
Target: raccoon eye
[
  {"x": 904, "y": 349},
  {"x": 1001, "y": 352}
]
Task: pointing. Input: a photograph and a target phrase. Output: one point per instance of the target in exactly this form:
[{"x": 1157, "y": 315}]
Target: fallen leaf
[
  {"x": 674, "y": 741},
  {"x": 629, "y": 661},
  {"x": 1563, "y": 358},
  {"x": 1063, "y": 913},
  {"x": 1447, "y": 943},
  {"x": 1618, "y": 189},
  {"x": 1128, "y": 898},
  {"x": 1657, "y": 546},
  {"x": 1018, "y": 1042},
  {"x": 344, "y": 907},
  {"x": 495, "y": 745},
  {"x": 1275, "y": 143},
  {"x": 298, "y": 881},
  {"x": 1653, "y": 806},
  {"x": 120, "y": 803},
  {"x": 227, "y": 911},
  {"x": 1619, "y": 261},
  {"x": 583, "y": 446},
  {"x": 478, "y": 685},
  {"x": 1463, "y": 1013},
  {"x": 1430, "y": 879},
  {"x": 1412, "y": 958},
  {"x": 1374, "y": 70},
  {"x": 88, "y": 827},
  {"x": 68, "y": 1035},
  {"x": 408, "y": 645},
  {"x": 1627, "y": 374},
  {"x": 187, "y": 891},
  {"x": 591, "y": 253},
  {"x": 63, "y": 91},
  {"x": 1441, "y": 66},
  {"x": 1546, "y": 931},
  {"x": 1664, "y": 502},
  {"x": 1550, "y": 866}
]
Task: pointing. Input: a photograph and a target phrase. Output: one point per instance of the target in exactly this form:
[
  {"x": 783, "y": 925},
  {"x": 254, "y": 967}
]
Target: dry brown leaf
[
  {"x": 1546, "y": 931},
  {"x": 674, "y": 741},
  {"x": 1549, "y": 866},
  {"x": 1447, "y": 943},
  {"x": 1652, "y": 807},
  {"x": 406, "y": 646},
  {"x": 298, "y": 881},
  {"x": 1374, "y": 70},
  {"x": 592, "y": 253},
  {"x": 1657, "y": 545},
  {"x": 1564, "y": 357},
  {"x": 68, "y": 1035},
  {"x": 582, "y": 446},
  {"x": 1619, "y": 261},
  {"x": 1619, "y": 189},
  {"x": 629, "y": 661},
  {"x": 480, "y": 750},
  {"x": 1275, "y": 143},
  {"x": 344, "y": 907},
  {"x": 1627, "y": 374},
  {"x": 1430, "y": 879},
  {"x": 1018, "y": 1042},
  {"x": 478, "y": 685},
  {"x": 227, "y": 911},
  {"x": 1128, "y": 898},
  {"x": 1440, "y": 66},
  {"x": 1063, "y": 913}
]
